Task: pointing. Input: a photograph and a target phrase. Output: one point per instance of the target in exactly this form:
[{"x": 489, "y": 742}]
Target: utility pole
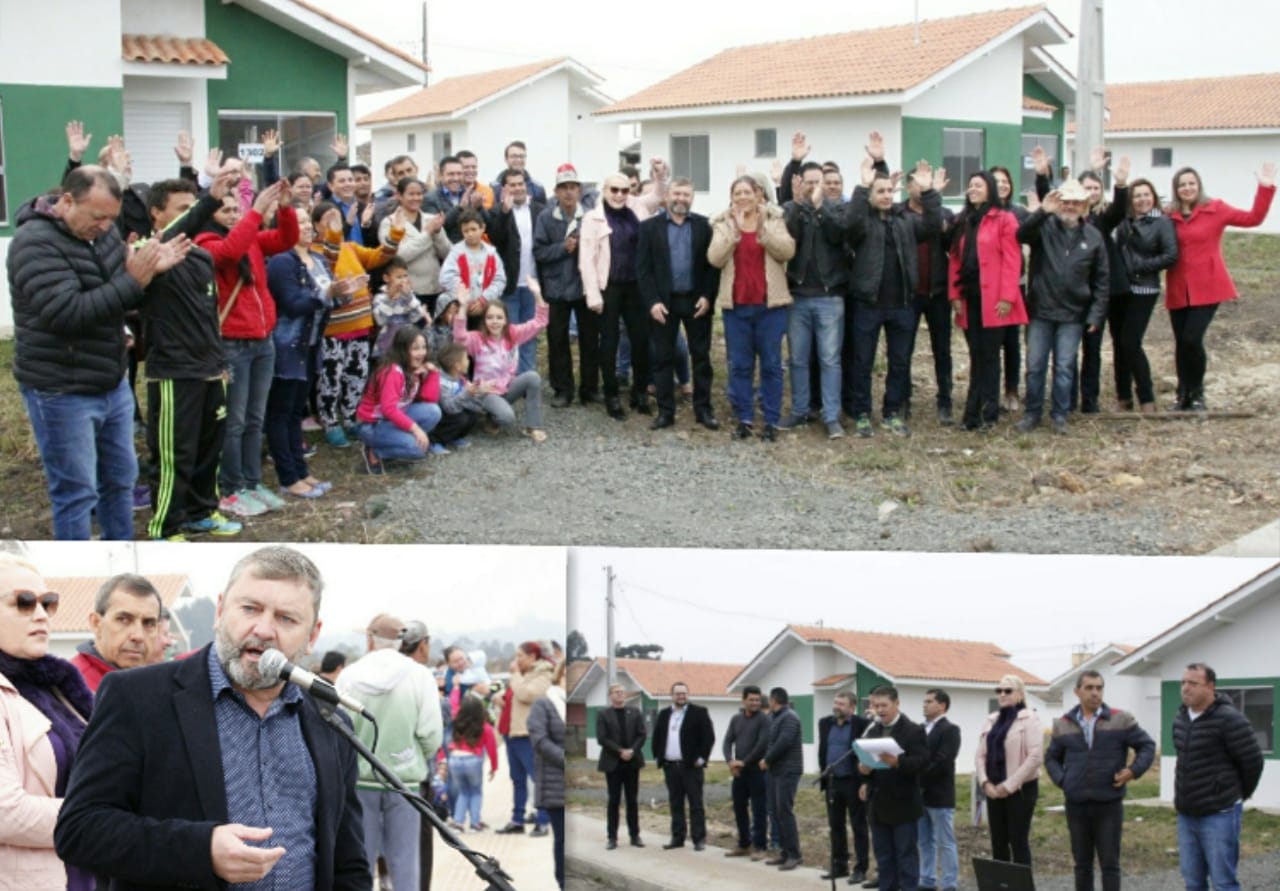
[
  {"x": 426, "y": 75},
  {"x": 1091, "y": 81},
  {"x": 611, "y": 667}
]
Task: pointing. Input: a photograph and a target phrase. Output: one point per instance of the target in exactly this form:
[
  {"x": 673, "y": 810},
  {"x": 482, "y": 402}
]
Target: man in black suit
[
  {"x": 682, "y": 739},
  {"x": 189, "y": 769},
  {"x": 938, "y": 855},
  {"x": 893, "y": 793},
  {"x": 621, "y": 734},
  {"x": 510, "y": 228},
  {"x": 836, "y": 734},
  {"x": 677, "y": 284}
]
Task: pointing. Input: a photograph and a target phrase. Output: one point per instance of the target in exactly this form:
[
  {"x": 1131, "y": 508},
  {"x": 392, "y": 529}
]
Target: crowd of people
[
  {"x": 206, "y": 768},
  {"x": 899, "y": 802},
  {"x": 409, "y": 316}
]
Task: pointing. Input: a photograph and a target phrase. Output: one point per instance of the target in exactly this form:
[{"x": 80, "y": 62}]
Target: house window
[
  {"x": 1031, "y": 142},
  {"x": 1162, "y": 157},
  {"x": 441, "y": 145},
  {"x": 691, "y": 157},
  {"x": 1257, "y": 704},
  {"x": 962, "y": 152},
  {"x": 301, "y": 135},
  {"x": 4, "y": 194},
  {"x": 767, "y": 143},
  {"x": 411, "y": 142}
]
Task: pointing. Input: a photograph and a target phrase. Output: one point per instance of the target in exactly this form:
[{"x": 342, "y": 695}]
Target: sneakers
[
  {"x": 311, "y": 425},
  {"x": 372, "y": 463},
  {"x": 267, "y": 497},
  {"x": 862, "y": 426},
  {"x": 437, "y": 449},
  {"x": 511, "y": 829},
  {"x": 336, "y": 437},
  {"x": 895, "y": 425},
  {"x": 141, "y": 497},
  {"x": 214, "y": 524},
  {"x": 460, "y": 444},
  {"x": 793, "y": 422},
  {"x": 1027, "y": 424},
  {"x": 834, "y": 430},
  {"x": 242, "y": 504},
  {"x": 1060, "y": 426}
]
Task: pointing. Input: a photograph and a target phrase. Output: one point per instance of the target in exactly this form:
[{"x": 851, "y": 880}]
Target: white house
[
  {"x": 225, "y": 71},
  {"x": 814, "y": 663},
  {"x": 1224, "y": 127},
  {"x": 548, "y": 105},
  {"x": 1236, "y": 635},
  {"x": 1132, "y": 693},
  {"x": 70, "y": 626},
  {"x": 970, "y": 92}
]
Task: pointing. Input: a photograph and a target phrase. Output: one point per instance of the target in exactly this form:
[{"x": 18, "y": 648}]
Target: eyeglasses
[
  {"x": 26, "y": 601},
  {"x": 619, "y": 190},
  {"x": 1007, "y": 691}
]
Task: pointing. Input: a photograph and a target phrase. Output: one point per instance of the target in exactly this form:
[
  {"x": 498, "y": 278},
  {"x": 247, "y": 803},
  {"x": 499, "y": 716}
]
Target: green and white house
[
  {"x": 965, "y": 93},
  {"x": 1237, "y": 635},
  {"x": 225, "y": 70}
]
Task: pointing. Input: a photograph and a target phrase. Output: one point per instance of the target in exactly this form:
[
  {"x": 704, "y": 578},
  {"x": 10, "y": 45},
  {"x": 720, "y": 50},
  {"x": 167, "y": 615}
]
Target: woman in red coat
[
  {"x": 1199, "y": 281},
  {"x": 982, "y": 284}
]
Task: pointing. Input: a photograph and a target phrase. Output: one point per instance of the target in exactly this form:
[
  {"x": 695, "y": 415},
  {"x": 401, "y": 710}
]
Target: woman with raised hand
[
  {"x": 1199, "y": 281},
  {"x": 1010, "y": 752},
  {"x": 1011, "y": 343},
  {"x": 424, "y": 246}
]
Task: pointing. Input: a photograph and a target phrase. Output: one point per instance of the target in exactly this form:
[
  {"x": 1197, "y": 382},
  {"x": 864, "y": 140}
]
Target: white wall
[
  {"x": 193, "y": 92},
  {"x": 391, "y": 141},
  {"x": 989, "y": 89},
  {"x": 1226, "y": 164},
  {"x": 592, "y": 145},
  {"x": 40, "y": 43},
  {"x": 6, "y": 305},
  {"x": 177, "y": 18}
]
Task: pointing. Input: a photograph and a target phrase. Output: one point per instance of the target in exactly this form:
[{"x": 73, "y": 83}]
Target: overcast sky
[
  {"x": 724, "y": 606},
  {"x": 633, "y": 45}
]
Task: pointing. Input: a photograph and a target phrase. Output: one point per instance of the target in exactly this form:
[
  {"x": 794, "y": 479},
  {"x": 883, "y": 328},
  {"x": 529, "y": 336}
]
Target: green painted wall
[
  {"x": 922, "y": 138},
  {"x": 271, "y": 68},
  {"x": 803, "y": 705},
  {"x": 1171, "y": 701},
  {"x": 867, "y": 680},
  {"x": 1056, "y": 126},
  {"x": 35, "y": 141}
]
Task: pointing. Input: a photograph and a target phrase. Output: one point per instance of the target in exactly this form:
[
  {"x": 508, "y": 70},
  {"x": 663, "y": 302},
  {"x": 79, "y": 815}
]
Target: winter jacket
[
  {"x": 1023, "y": 750},
  {"x": 865, "y": 231},
  {"x": 1219, "y": 760},
  {"x": 893, "y": 794},
  {"x": 1147, "y": 244},
  {"x": 92, "y": 667},
  {"x": 504, "y": 233},
  {"x": 402, "y": 695},
  {"x": 254, "y": 313},
  {"x": 938, "y": 246},
  {"x": 999, "y": 266},
  {"x": 423, "y": 252},
  {"x": 1069, "y": 272},
  {"x": 300, "y": 306},
  {"x": 558, "y": 271},
  {"x": 1087, "y": 773},
  {"x": 354, "y": 318},
  {"x": 784, "y": 754},
  {"x": 385, "y": 398},
  {"x": 69, "y": 300},
  {"x": 546, "y": 735},
  {"x": 28, "y": 808},
  {"x": 491, "y": 277},
  {"x": 594, "y": 254},
  {"x": 1200, "y": 276},
  {"x": 779, "y": 247},
  {"x": 1106, "y": 223},
  {"x": 497, "y": 359},
  {"x": 819, "y": 236},
  {"x": 526, "y": 689}
]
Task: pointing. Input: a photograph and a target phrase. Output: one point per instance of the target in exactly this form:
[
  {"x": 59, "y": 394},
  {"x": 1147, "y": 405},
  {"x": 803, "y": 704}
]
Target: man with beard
[{"x": 201, "y": 772}]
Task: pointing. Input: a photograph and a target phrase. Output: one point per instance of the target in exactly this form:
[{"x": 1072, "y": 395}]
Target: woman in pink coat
[
  {"x": 1199, "y": 281},
  {"x": 1010, "y": 752}
]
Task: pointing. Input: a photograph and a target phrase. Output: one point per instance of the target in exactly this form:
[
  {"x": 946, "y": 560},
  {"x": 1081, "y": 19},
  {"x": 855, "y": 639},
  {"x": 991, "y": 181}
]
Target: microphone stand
[
  {"x": 487, "y": 868},
  {"x": 830, "y": 778}
]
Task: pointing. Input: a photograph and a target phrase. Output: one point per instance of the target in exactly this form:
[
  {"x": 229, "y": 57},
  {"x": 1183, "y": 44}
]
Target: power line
[
  {"x": 622, "y": 590},
  {"x": 710, "y": 609}
]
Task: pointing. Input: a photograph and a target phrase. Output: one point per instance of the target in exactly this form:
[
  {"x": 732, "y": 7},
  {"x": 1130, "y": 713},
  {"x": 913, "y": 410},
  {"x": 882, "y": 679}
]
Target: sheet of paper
[{"x": 870, "y": 750}]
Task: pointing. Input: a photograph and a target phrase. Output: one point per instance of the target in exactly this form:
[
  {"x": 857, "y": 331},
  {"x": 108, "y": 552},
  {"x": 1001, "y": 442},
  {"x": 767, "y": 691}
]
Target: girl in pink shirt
[
  {"x": 473, "y": 738},
  {"x": 399, "y": 406}
]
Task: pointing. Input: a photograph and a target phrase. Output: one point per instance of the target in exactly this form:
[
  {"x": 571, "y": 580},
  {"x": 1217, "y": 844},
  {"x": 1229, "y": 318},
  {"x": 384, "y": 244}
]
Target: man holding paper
[{"x": 892, "y": 789}]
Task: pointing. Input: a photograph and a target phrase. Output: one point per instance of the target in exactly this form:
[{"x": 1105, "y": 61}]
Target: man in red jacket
[{"x": 125, "y": 620}]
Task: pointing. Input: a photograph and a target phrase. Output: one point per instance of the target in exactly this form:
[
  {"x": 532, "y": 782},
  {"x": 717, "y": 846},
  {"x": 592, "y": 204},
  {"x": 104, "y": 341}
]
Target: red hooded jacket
[{"x": 254, "y": 314}]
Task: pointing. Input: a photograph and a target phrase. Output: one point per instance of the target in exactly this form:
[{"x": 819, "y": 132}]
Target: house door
[{"x": 150, "y": 132}]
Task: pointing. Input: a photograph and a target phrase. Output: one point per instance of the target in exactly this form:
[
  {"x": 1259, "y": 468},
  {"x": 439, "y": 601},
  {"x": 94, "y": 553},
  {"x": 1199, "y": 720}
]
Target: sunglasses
[
  {"x": 26, "y": 601},
  {"x": 619, "y": 190},
  {"x": 1007, "y": 691}
]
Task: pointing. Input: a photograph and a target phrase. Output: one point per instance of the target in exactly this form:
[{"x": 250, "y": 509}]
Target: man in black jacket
[
  {"x": 621, "y": 734},
  {"x": 930, "y": 301},
  {"x": 938, "y": 855},
  {"x": 72, "y": 279},
  {"x": 893, "y": 793},
  {"x": 745, "y": 743},
  {"x": 836, "y": 734},
  {"x": 884, "y": 240},
  {"x": 1218, "y": 768},
  {"x": 682, "y": 739},
  {"x": 174, "y": 784},
  {"x": 784, "y": 759},
  {"x": 510, "y": 228},
  {"x": 1088, "y": 759},
  {"x": 677, "y": 284}
]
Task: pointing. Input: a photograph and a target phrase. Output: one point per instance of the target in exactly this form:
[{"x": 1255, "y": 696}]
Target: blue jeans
[
  {"x": 389, "y": 441},
  {"x": 1063, "y": 338},
  {"x": 253, "y": 365},
  {"x": 466, "y": 769},
  {"x": 520, "y": 308},
  {"x": 899, "y": 333},
  {"x": 938, "y": 854},
  {"x": 86, "y": 445},
  {"x": 897, "y": 860},
  {"x": 1209, "y": 849},
  {"x": 752, "y": 332},
  {"x": 520, "y": 764},
  {"x": 823, "y": 317},
  {"x": 391, "y": 826}
]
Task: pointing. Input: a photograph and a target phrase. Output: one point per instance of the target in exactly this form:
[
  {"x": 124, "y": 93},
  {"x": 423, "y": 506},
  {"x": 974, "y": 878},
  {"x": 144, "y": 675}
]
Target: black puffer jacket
[
  {"x": 69, "y": 300},
  {"x": 866, "y": 234},
  {"x": 1087, "y": 773},
  {"x": 1147, "y": 245},
  {"x": 1069, "y": 270},
  {"x": 785, "y": 752},
  {"x": 819, "y": 237},
  {"x": 1219, "y": 761}
]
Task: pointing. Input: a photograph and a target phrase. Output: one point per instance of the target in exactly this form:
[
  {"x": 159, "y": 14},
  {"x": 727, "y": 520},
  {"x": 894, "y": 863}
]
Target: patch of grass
[{"x": 874, "y": 458}]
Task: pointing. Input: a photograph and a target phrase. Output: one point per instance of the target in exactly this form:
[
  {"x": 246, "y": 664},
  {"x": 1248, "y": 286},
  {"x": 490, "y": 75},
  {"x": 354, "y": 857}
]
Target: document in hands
[{"x": 870, "y": 750}]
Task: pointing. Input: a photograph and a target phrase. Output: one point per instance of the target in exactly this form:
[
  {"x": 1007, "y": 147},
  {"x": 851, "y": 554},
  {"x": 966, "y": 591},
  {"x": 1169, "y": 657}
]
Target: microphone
[{"x": 273, "y": 665}]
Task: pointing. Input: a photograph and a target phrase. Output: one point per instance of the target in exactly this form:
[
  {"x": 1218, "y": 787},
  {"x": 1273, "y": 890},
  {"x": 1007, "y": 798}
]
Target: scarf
[
  {"x": 36, "y": 680},
  {"x": 997, "y": 769}
]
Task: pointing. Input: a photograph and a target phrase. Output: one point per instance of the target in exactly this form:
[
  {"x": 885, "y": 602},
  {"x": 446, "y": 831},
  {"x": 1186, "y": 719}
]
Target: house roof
[
  {"x": 1111, "y": 653},
  {"x": 655, "y": 677},
  {"x": 164, "y": 48},
  {"x": 853, "y": 63},
  {"x": 78, "y": 593},
  {"x": 1206, "y": 103},
  {"x": 901, "y": 656},
  {"x": 454, "y": 94},
  {"x": 1029, "y": 104},
  {"x": 834, "y": 680},
  {"x": 574, "y": 673},
  {"x": 363, "y": 35}
]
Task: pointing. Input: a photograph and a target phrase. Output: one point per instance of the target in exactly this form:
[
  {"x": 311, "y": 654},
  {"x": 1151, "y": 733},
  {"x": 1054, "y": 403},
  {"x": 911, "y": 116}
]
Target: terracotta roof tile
[
  {"x": 163, "y": 48},
  {"x": 1036, "y": 105},
  {"x": 904, "y": 656},
  {"x": 574, "y": 672},
  {"x": 1210, "y": 103},
  {"x": 656, "y": 676},
  {"x": 455, "y": 93},
  {"x": 833, "y": 680},
  {"x": 364, "y": 35},
  {"x": 78, "y": 593},
  {"x": 854, "y": 63}
]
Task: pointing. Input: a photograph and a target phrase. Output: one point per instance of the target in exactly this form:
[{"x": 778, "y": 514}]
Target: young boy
[
  {"x": 440, "y": 331},
  {"x": 395, "y": 305},
  {"x": 473, "y": 271},
  {"x": 459, "y": 400}
]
